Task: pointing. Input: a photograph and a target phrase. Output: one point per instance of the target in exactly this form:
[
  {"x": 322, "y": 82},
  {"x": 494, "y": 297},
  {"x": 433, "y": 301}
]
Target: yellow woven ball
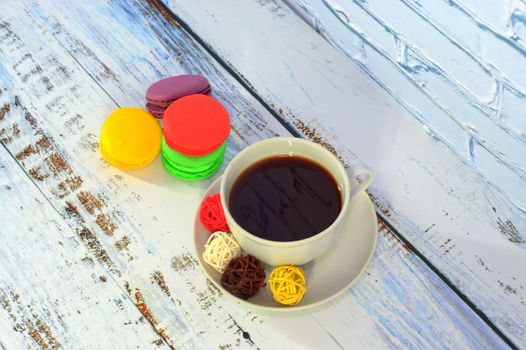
[{"x": 287, "y": 284}]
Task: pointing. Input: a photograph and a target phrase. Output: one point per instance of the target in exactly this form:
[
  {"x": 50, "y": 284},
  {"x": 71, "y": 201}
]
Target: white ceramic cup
[{"x": 301, "y": 251}]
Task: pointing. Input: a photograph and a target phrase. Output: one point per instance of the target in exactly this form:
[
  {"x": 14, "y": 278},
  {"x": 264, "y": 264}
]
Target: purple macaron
[{"x": 162, "y": 93}]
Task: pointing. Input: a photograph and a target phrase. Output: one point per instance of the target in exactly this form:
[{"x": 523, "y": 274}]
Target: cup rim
[{"x": 317, "y": 236}]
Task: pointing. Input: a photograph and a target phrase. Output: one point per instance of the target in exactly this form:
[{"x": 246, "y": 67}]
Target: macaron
[
  {"x": 162, "y": 93},
  {"x": 130, "y": 138},
  {"x": 187, "y": 175},
  {"x": 191, "y": 168},
  {"x": 196, "y": 125}
]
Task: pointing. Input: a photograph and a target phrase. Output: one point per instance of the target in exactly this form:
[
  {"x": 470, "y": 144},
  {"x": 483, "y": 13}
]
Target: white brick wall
[{"x": 459, "y": 66}]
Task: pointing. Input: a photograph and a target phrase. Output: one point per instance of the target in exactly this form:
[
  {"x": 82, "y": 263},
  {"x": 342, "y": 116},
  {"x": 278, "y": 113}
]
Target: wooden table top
[{"x": 96, "y": 258}]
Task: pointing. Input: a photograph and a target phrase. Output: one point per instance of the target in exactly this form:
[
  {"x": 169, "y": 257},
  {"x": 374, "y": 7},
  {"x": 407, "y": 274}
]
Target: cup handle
[{"x": 362, "y": 186}]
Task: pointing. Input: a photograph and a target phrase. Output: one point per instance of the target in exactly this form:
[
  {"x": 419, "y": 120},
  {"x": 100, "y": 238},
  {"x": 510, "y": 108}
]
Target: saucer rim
[{"x": 281, "y": 308}]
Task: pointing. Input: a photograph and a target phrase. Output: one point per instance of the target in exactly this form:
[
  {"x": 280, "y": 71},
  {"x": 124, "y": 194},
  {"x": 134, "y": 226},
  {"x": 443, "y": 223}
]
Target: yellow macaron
[{"x": 130, "y": 138}]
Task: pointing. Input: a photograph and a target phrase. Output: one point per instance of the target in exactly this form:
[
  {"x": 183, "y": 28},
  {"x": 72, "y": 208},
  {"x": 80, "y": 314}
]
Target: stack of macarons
[{"x": 195, "y": 130}]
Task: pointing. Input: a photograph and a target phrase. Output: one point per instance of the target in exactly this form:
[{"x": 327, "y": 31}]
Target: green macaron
[{"x": 191, "y": 168}]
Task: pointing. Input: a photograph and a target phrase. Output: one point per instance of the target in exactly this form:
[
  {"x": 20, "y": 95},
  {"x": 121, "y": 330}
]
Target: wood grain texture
[
  {"x": 63, "y": 69},
  {"x": 52, "y": 293},
  {"x": 462, "y": 225}
]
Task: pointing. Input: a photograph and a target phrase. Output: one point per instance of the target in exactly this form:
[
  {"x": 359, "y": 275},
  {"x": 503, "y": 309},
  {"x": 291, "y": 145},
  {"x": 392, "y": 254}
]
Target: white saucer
[{"x": 328, "y": 275}]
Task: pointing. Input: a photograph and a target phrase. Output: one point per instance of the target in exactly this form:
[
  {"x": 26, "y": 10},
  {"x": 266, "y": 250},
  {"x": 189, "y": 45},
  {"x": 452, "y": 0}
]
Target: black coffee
[{"x": 285, "y": 198}]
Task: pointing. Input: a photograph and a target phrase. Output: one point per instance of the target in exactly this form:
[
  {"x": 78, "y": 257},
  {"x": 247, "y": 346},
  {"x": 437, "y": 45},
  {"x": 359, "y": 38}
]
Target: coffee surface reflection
[{"x": 285, "y": 198}]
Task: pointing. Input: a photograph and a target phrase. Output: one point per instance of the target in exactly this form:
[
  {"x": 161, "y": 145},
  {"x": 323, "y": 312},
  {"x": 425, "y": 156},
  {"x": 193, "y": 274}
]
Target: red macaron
[{"x": 196, "y": 125}]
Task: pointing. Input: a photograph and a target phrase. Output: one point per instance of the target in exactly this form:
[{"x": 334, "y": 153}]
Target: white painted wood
[
  {"x": 52, "y": 293},
  {"x": 460, "y": 223},
  {"x": 62, "y": 70}
]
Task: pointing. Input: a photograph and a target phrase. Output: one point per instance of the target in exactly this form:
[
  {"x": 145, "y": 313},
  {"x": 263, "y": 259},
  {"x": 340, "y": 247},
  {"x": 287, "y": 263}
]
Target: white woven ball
[{"x": 220, "y": 249}]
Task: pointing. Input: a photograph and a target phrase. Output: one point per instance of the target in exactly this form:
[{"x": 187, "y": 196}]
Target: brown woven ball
[{"x": 243, "y": 277}]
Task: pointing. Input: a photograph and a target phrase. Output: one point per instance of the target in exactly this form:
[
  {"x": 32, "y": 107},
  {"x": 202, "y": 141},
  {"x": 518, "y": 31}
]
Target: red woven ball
[{"x": 212, "y": 215}]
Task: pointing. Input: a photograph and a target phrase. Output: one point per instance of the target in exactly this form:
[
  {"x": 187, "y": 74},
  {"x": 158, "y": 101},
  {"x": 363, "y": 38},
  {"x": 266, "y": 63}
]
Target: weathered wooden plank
[
  {"x": 119, "y": 237},
  {"x": 140, "y": 222},
  {"x": 462, "y": 225},
  {"x": 52, "y": 292}
]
